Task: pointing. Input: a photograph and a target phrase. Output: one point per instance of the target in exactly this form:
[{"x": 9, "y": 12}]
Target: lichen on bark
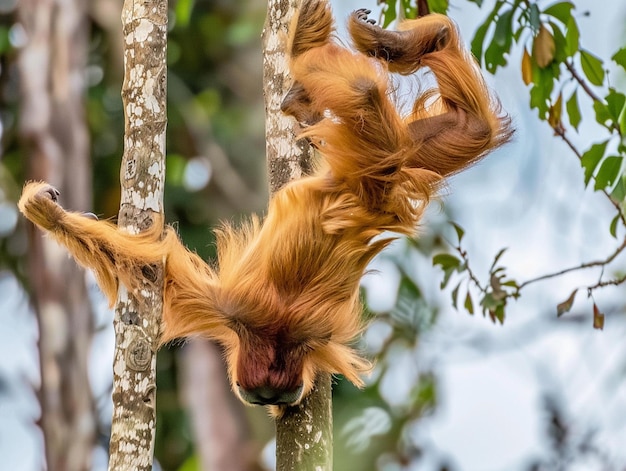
[
  {"x": 142, "y": 175},
  {"x": 304, "y": 438},
  {"x": 287, "y": 158}
]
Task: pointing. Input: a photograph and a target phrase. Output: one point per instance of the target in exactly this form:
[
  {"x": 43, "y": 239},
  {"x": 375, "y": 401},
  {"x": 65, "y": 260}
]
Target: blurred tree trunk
[
  {"x": 304, "y": 435},
  {"x": 52, "y": 124},
  {"x": 142, "y": 175},
  {"x": 220, "y": 428}
]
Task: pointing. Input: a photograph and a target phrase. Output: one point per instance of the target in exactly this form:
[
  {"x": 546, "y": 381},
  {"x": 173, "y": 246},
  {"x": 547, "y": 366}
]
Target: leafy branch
[
  {"x": 495, "y": 294},
  {"x": 549, "y": 66},
  {"x": 558, "y": 71}
]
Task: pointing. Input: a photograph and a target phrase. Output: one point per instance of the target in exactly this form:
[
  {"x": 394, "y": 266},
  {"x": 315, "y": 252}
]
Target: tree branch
[
  {"x": 601, "y": 284},
  {"x": 581, "y": 82},
  {"x": 560, "y": 131},
  {"x": 583, "y": 266}
]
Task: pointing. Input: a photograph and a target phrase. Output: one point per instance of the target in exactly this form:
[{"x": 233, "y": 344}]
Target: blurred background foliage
[{"x": 215, "y": 170}]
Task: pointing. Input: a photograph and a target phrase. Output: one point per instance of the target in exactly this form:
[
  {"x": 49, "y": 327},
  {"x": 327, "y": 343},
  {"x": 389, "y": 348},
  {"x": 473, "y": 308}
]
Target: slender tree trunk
[
  {"x": 142, "y": 177},
  {"x": 303, "y": 434},
  {"x": 52, "y": 123},
  {"x": 287, "y": 159}
]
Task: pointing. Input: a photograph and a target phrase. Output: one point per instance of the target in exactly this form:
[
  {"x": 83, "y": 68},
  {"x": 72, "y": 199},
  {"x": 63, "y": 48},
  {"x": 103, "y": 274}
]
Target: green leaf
[
  {"x": 562, "y": 11},
  {"x": 573, "y": 110},
  {"x": 477, "y": 2},
  {"x": 495, "y": 307},
  {"x": 479, "y": 39},
  {"x": 449, "y": 264},
  {"x": 183, "y": 12},
  {"x": 5, "y": 42},
  {"x": 560, "y": 43},
  {"x": 455, "y": 295},
  {"x": 540, "y": 93},
  {"x": 615, "y": 104},
  {"x": 481, "y": 32},
  {"x": 489, "y": 302},
  {"x": 190, "y": 464},
  {"x": 620, "y": 57},
  {"x": 613, "y": 227},
  {"x": 603, "y": 116},
  {"x": 469, "y": 305},
  {"x": 410, "y": 10},
  {"x": 424, "y": 394},
  {"x": 504, "y": 29},
  {"x": 446, "y": 260},
  {"x": 494, "y": 56},
  {"x": 609, "y": 171},
  {"x": 175, "y": 168},
  {"x": 533, "y": 17},
  {"x": 497, "y": 258},
  {"x": 572, "y": 37},
  {"x": 566, "y": 305},
  {"x": 390, "y": 12},
  {"x": 438, "y": 6},
  {"x": 499, "y": 314},
  {"x": 592, "y": 158},
  {"x": 592, "y": 67},
  {"x": 511, "y": 283},
  {"x": 459, "y": 231},
  {"x": 619, "y": 192},
  {"x": 539, "y": 101}
]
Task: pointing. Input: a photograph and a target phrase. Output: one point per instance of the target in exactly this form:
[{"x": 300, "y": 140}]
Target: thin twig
[
  {"x": 469, "y": 271},
  {"x": 560, "y": 131},
  {"x": 597, "y": 263},
  {"x": 602, "y": 284},
  {"x": 581, "y": 82}
]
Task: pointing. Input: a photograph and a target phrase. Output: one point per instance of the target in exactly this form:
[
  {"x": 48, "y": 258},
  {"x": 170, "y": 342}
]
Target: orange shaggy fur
[{"x": 284, "y": 297}]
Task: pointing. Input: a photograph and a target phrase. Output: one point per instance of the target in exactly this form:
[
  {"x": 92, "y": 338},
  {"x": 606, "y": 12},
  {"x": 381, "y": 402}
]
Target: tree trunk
[
  {"x": 52, "y": 123},
  {"x": 303, "y": 434},
  {"x": 142, "y": 176},
  {"x": 287, "y": 159}
]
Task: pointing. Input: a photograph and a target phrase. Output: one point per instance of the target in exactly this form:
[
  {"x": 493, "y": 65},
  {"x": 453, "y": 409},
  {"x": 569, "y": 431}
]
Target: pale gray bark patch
[
  {"x": 142, "y": 174},
  {"x": 304, "y": 435},
  {"x": 287, "y": 159}
]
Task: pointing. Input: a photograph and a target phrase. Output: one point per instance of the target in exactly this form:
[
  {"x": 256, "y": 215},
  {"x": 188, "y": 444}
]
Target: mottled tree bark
[
  {"x": 287, "y": 159},
  {"x": 142, "y": 175},
  {"x": 53, "y": 126},
  {"x": 303, "y": 433}
]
